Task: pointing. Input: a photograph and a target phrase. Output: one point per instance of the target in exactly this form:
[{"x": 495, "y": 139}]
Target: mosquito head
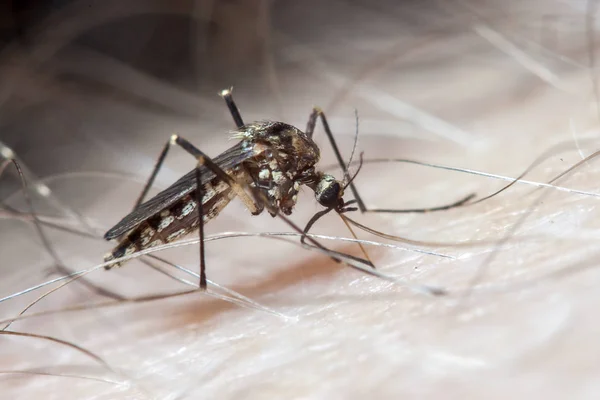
[{"x": 329, "y": 192}]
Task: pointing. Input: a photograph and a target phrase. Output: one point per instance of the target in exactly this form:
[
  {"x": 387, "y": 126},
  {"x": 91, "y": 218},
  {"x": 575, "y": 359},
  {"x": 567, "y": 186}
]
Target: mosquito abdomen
[{"x": 172, "y": 223}]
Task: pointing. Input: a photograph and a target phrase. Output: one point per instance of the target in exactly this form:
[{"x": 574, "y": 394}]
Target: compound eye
[{"x": 328, "y": 191}]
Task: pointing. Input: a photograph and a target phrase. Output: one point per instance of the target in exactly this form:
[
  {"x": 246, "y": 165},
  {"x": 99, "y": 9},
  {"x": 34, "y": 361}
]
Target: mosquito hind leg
[
  {"x": 312, "y": 120},
  {"x": 157, "y": 166},
  {"x": 205, "y": 161}
]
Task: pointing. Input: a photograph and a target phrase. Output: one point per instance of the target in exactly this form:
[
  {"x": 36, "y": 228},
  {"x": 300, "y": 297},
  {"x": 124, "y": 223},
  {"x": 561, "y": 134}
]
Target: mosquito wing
[{"x": 185, "y": 185}]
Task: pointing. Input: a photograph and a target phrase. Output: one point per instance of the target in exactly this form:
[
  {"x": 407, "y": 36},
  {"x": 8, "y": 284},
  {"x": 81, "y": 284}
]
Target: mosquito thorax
[{"x": 329, "y": 191}]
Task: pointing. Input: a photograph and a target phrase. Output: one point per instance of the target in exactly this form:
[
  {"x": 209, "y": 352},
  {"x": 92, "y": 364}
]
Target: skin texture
[{"x": 470, "y": 84}]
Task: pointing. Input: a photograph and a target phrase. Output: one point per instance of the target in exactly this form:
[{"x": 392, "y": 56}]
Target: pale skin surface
[{"x": 470, "y": 85}]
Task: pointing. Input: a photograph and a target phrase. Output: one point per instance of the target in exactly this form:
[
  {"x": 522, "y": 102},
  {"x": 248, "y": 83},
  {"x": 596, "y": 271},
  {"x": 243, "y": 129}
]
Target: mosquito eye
[{"x": 328, "y": 191}]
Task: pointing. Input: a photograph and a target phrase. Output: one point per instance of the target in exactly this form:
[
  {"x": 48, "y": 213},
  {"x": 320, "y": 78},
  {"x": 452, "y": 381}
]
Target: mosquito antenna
[
  {"x": 360, "y": 164},
  {"x": 347, "y": 177}
]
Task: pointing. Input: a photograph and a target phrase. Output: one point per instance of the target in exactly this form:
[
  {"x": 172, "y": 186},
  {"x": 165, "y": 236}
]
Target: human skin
[{"x": 481, "y": 86}]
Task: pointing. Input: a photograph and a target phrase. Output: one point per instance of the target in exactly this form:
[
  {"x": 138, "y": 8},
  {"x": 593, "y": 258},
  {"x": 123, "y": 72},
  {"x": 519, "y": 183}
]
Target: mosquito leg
[
  {"x": 456, "y": 204},
  {"x": 304, "y": 233},
  {"x": 237, "y": 118},
  {"x": 205, "y": 161},
  {"x": 318, "y": 113},
  {"x": 332, "y": 253},
  {"x": 312, "y": 221},
  {"x": 235, "y": 112},
  {"x": 199, "y": 197},
  {"x": 157, "y": 166},
  {"x": 322, "y": 213}
]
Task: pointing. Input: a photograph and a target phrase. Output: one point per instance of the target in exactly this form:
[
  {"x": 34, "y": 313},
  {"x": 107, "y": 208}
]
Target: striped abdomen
[{"x": 174, "y": 222}]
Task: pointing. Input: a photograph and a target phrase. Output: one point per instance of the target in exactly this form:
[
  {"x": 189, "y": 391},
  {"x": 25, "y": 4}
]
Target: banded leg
[
  {"x": 237, "y": 118},
  {"x": 310, "y": 127},
  {"x": 205, "y": 161}
]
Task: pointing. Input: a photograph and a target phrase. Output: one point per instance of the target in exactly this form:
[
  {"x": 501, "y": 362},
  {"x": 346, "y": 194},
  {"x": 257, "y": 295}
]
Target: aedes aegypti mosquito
[{"x": 265, "y": 169}]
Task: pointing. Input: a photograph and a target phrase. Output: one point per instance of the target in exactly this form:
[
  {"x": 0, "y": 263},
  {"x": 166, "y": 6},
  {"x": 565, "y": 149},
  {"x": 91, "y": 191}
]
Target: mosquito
[{"x": 265, "y": 169}]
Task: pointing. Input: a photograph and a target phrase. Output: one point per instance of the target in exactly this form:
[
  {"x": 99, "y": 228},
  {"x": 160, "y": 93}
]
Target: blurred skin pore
[{"x": 469, "y": 84}]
